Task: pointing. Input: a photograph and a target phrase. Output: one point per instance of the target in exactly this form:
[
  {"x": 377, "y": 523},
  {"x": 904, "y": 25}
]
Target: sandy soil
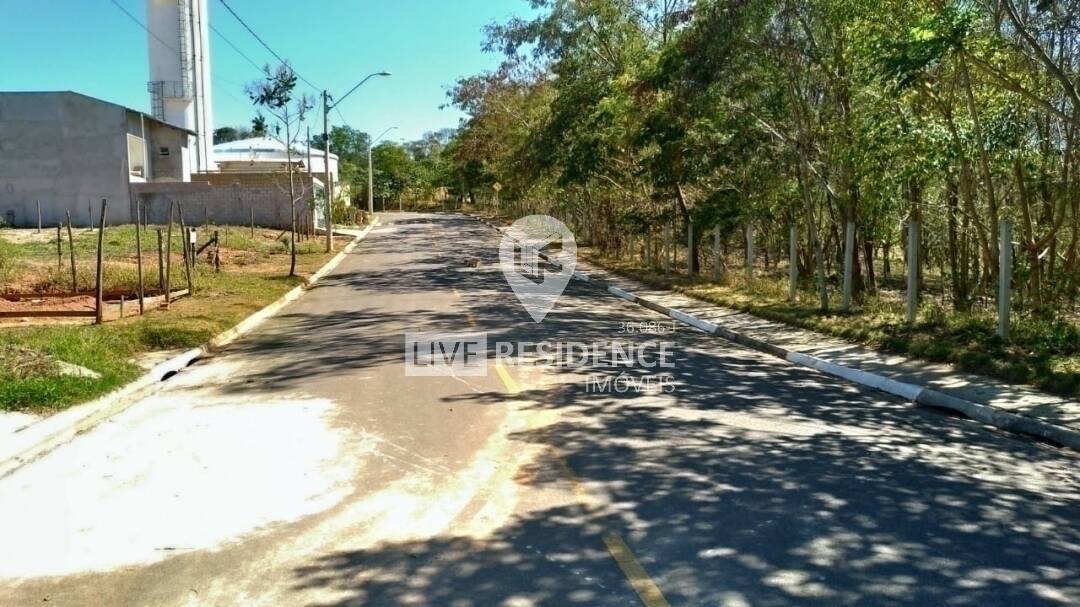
[{"x": 79, "y": 302}]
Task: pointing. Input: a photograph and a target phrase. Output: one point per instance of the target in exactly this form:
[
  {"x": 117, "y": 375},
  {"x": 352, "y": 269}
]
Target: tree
[
  {"x": 622, "y": 116},
  {"x": 258, "y": 126},
  {"x": 226, "y": 134},
  {"x": 275, "y": 94}
]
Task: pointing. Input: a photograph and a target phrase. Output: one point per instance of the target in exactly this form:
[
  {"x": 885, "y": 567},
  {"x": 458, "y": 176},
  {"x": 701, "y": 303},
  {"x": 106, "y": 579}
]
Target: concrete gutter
[
  {"x": 41, "y": 437},
  {"x": 920, "y": 395}
]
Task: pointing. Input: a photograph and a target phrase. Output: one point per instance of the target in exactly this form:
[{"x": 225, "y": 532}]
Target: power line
[
  {"x": 265, "y": 45},
  {"x": 143, "y": 26},
  {"x": 234, "y": 47}
]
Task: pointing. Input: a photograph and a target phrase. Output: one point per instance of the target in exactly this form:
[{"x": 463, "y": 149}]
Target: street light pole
[{"x": 328, "y": 187}]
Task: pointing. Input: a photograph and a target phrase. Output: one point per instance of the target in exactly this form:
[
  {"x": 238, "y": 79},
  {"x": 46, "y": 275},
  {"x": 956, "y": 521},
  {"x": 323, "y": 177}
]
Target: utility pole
[
  {"x": 292, "y": 193},
  {"x": 370, "y": 198},
  {"x": 326, "y": 171},
  {"x": 311, "y": 182}
]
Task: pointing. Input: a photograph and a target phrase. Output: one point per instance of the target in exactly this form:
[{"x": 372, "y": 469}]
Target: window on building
[
  {"x": 163, "y": 151},
  {"x": 136, "y": 156}
]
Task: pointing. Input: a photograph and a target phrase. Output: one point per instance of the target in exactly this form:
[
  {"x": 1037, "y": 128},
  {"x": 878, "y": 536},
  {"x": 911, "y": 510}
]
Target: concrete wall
[
  {"x": 227, "y": 204},
  {"x": 63, "y": 149},
  {"x": 170, "y": 166}
]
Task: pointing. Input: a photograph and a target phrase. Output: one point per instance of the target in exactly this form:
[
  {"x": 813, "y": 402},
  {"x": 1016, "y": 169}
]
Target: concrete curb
[
  {"x": 920, "y": 395},
  {"x": 47, "y": 434}
]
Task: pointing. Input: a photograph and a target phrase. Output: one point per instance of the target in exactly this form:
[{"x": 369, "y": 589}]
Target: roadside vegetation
[
  {"x": 634, "y": 121},
  {"x": 254, "y": 273},
  {"x": 653, "y": 126},
  {"x": 1044, "y": 352}
]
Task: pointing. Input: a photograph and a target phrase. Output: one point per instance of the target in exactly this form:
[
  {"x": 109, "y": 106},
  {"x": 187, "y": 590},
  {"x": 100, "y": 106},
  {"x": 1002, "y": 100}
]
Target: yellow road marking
[
  {"x": 639, "y": 579},
  {"x": 508, "y": 380},
  {"x": 646, "y": 588}
]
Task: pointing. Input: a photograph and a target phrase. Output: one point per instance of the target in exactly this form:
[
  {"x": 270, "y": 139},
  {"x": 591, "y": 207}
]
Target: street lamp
[
  {"x": 370, "y": 199},
  {"x": 327, "y": 106}
]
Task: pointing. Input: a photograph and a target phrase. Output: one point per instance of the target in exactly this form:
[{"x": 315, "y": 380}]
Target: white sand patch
[{"x": 190, "y": 469}]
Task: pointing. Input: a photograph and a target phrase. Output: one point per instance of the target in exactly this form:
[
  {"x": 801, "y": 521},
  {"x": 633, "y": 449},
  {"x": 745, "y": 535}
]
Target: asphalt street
[{"x": 302, "y": 466}]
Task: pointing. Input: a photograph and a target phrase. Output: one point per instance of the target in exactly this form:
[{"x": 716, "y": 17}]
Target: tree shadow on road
[{"x": 754, "y": 483}]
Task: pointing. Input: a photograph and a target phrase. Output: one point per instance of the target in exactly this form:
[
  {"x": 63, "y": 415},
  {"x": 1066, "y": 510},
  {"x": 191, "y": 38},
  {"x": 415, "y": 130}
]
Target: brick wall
[{"x": 224, "y": 204}]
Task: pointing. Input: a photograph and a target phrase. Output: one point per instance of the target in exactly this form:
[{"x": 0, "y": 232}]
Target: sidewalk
[{"x": 1016, "y": 400}]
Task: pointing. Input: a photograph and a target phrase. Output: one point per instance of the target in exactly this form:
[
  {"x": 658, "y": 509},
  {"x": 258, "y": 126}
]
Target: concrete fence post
[
  {"x": 1004, "y": 279},
  {"x": 690, "y": 259},
  {"x": 674, "y": 246},
  {"x": 749, "y": 253},
  {"x": 717, "y": 253},
  {"x": 669, "y": 254},
  {"x": 849, "y": 262},
  {"x": 793, "y": 263},
  {"x": 913, "y": 270}
]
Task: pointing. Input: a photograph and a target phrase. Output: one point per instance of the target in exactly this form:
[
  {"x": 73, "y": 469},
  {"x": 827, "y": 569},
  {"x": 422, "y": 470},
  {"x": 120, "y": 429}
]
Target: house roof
[{"x": 266, "y": 149}]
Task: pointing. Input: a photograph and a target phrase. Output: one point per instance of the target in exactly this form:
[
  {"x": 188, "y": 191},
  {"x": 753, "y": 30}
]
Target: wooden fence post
[
  {"x": 217, "y": 251},
  {"x": 138, "y": 253},
  {"x": 71, "y": 252},
  {"x": 38, "y": 216},
  {"x": 252, "y": 209},
  {"x": 186, "y": 245},
  {"x": 1004, "y": 279},
  {"x": 59, "y": 249},
  {"x": 160, "y": 261},
  {"x": 168, "y": 257},
  {"x": 99, "y": 292}
]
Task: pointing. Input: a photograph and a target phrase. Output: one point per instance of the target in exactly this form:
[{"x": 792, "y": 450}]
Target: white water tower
[{"x": 180, "y": 72}]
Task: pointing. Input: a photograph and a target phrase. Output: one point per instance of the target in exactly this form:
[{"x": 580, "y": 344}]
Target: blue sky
[{"x": 91, "y": 47}]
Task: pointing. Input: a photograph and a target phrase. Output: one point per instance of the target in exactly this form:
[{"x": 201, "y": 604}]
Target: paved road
[{"x": 301, "y": 467}]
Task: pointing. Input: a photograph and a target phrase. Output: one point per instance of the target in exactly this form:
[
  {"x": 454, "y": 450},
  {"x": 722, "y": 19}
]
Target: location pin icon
[{"x": 538, "y": 282}]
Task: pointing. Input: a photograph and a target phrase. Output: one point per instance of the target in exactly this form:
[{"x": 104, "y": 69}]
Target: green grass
[
  {"x": 29, "y": 378},
  {"x": 1043, "y": 352}
]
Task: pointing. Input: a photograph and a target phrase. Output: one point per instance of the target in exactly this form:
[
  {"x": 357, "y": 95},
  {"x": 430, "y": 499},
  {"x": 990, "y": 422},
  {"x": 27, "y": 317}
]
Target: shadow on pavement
[{"x": 754, "y": 483}]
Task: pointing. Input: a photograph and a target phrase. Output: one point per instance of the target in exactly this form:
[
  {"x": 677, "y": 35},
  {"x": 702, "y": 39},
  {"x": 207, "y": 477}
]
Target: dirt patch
[
  {"x": 30, "y": 235},
  {"x": 77, "y": 302}
]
